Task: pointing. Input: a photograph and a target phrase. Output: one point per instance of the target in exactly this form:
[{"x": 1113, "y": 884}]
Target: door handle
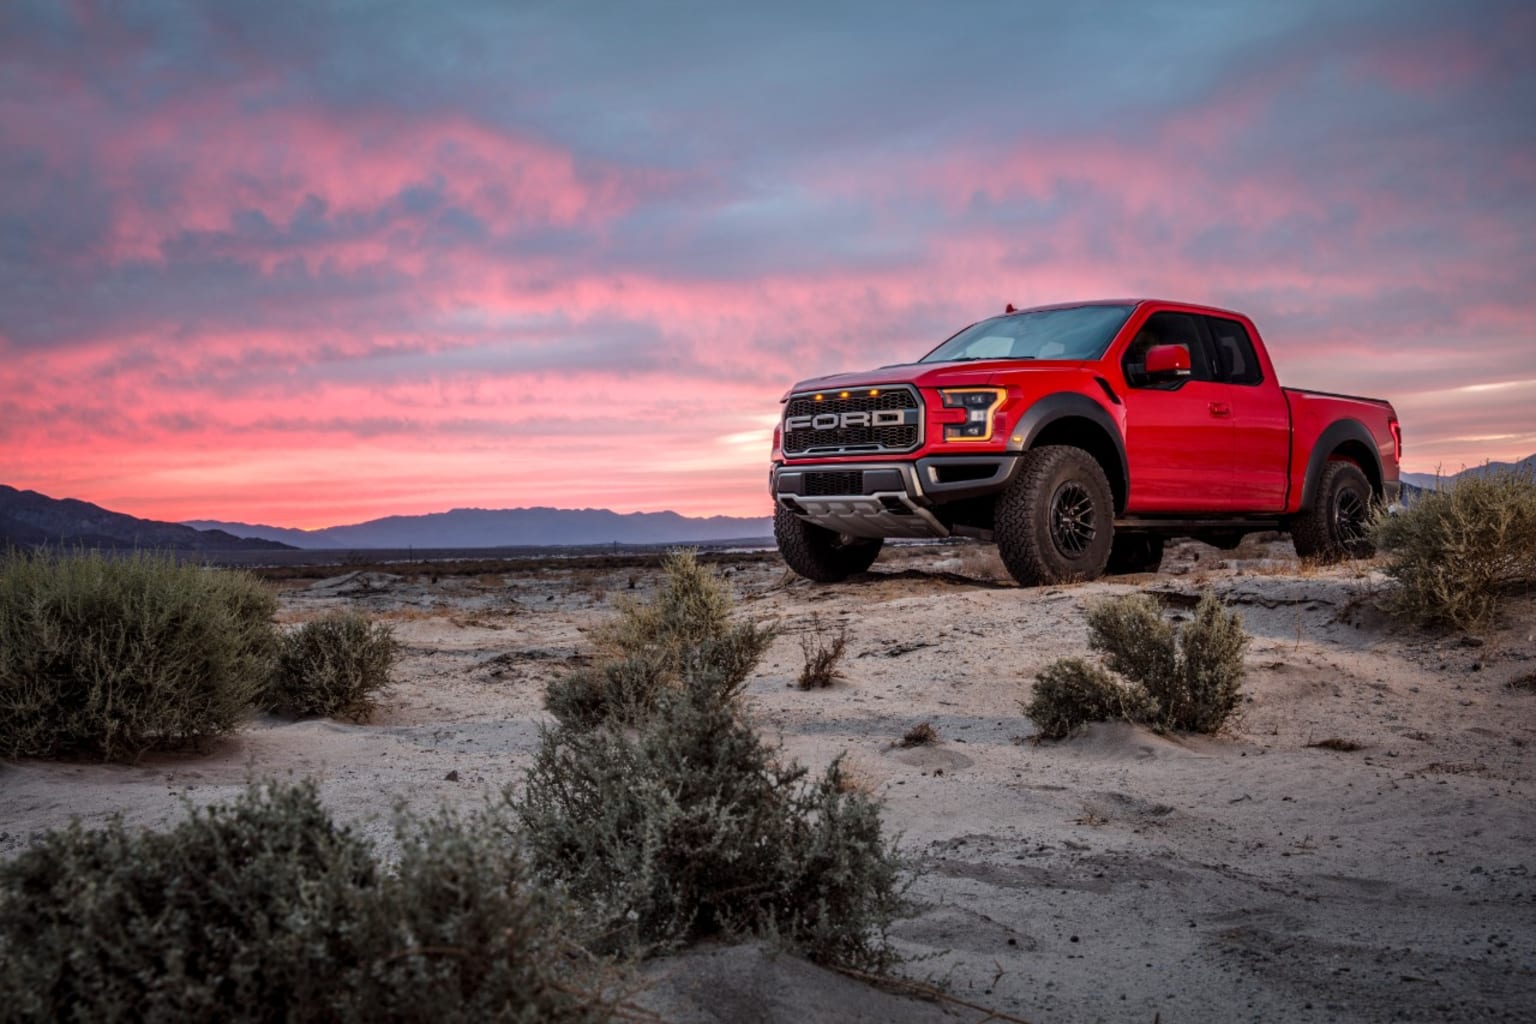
[{"x": 1220, "y": 409}]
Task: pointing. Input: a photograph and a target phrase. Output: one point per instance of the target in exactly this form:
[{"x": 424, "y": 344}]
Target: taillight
[{"x": 1397, "y": 440}]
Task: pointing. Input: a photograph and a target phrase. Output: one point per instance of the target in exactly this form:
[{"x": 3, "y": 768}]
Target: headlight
[{"x": 978, "y": 404}]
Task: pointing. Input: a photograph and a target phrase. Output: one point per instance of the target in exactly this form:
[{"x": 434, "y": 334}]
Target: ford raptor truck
[{"x": 1078, "y": 438}]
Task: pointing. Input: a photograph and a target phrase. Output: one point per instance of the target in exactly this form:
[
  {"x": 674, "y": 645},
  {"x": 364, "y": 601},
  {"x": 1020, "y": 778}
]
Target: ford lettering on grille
[{"x": 877, "y": 420}]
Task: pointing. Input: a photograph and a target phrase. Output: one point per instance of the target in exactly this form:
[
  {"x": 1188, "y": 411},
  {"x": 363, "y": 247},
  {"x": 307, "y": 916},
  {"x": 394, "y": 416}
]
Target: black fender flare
[
  {"x": 1333, "y": 435},
  {"x": 1068, "y": 404}
]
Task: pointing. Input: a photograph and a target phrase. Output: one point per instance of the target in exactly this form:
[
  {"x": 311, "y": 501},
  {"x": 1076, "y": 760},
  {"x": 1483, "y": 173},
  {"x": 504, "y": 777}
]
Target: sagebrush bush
[
  {"x": 1070, "y": 692},
  {"x": 263, "y": 909},
  {"x": 1193, "y": 675},
  {"x": 690, "y": 827},
  {"x": 1210, "y": 669},
  {"x": 1187, "y": 679},
  {"x": 1135, "y": 639},
  {"x": 822, "y": 649},
  {"x": 644, "y": 652},
  {"x": 1453, "y": 554},
  {"x": 333, "y": 666},
  {"x": 113, "y": 656},
  {"x": 667, "y": 817}
]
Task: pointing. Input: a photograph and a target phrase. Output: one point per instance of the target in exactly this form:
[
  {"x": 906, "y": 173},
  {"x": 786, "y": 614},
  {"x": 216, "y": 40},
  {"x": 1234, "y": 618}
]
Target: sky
[{"x": 311, "y": 264}]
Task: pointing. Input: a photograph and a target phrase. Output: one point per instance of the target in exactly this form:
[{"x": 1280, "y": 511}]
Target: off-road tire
[
  {"x": 819, "y": 554},
  {"x": 1336, "y": 525},
  {"x": 1134, "y": 552},
  {"x": 1055, "y": 522}
]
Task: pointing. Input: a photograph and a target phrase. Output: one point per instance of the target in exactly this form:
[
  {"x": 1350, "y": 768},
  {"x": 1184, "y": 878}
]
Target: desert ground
[{"x": 1357, "y": 847}]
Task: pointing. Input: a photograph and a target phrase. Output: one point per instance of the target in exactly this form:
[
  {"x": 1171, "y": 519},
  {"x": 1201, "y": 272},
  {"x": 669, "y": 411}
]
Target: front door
[{"x": 1179, "y": 434}]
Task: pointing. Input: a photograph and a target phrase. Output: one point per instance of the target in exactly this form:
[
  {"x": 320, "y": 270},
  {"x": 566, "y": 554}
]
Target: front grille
[
  {"x": 832, "y": 438},
  {"x": 820, "y": 485}
]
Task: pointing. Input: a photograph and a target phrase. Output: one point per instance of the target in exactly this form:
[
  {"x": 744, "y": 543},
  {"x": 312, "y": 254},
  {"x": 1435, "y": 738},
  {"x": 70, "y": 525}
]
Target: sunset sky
[{"x": 309, "y": 264}]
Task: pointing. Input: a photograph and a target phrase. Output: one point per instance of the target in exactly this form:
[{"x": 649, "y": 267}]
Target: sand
[{"x": 1264, "y": 874}]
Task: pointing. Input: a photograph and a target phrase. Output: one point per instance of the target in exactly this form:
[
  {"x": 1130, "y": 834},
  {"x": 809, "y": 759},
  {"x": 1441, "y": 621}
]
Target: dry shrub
[
  {"x": 657, "y": 806},
  {"x": 982, "y": 561},
  {"x": 822, "y": 650},
  {"x": 1070, "y": 692},
  {"x": 646, "y": 651},
  {"x": 263, "y": 909},
  {"x": 1337, "y": 743},
  {"x": 1454, "y": 553},
  {"x": 919, "y": 735},
  {"x": 333, "y": 666},
  {"x": 1187, "y": 679},
  {"x": 113, "y": 656}
]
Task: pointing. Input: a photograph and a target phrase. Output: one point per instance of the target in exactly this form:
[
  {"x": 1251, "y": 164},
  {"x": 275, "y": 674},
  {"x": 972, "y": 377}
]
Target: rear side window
[{"x": 1236, "y": 362}]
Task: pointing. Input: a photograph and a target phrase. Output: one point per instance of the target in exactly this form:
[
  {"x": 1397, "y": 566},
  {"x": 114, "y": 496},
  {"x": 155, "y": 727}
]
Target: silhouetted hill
[
  {"x": 511, "y": 527},
  {"x": 1428, "y": 481},
  {"x": 30, "y": 519}
]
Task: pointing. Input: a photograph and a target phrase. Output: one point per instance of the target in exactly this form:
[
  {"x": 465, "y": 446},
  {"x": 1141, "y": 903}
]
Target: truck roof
[{"x": 1145, "y": 300}]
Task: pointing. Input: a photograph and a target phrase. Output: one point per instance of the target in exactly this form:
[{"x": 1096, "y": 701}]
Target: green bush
[
  {"x": 1070, "y": 692},
  {"x": 333, "y": 666},
  {"x": 1193, "y": 675},
  {"x": 666, "y": 817},
  {"x": 1453, "y": 554},
  {"x": 644, "y": 652},
  {"x": 689, "y": 827},
  {"x": 1135, "y": 639},
  {"x": 1210, "y": 669},
  {"x": 1187, "y": 679},
  {"x": 611, "y": 690},
  {"x": 114, "y": 656},
  {"x": 262, "y": 909}
]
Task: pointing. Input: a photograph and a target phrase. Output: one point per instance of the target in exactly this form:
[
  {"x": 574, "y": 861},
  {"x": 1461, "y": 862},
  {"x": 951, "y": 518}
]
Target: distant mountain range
[
  {"x": 1429, "y": 481},
  {"x": 30, "y": 519},
  {"x": 509, "y": 527}
]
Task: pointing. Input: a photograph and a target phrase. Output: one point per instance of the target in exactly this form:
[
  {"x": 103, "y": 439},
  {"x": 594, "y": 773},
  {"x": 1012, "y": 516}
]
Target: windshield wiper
[{"x": 978, "y": 359}]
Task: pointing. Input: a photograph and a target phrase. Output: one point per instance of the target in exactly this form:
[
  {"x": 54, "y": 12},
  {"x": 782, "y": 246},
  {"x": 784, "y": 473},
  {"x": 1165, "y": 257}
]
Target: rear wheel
[
  {"x": 1338, "y": 523},
  {"x": 819, "y": 554},
  {"x": 1135, "y": 552},
  {"x": 1056, "y": 520}
]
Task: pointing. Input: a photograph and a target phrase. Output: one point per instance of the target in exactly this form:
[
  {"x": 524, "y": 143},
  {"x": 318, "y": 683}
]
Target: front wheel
[
  {"x": 819, "y": 554},
  {"x": 1338, "y": 523},
  {"x": 1055, "y": 522}
]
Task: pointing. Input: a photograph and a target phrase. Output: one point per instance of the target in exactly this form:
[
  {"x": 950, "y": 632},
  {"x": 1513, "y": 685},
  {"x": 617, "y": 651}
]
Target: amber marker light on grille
[
  {"x": 820, "y": 397},
  {"x": 843, "y": 394},
  {"x": 874, "y": 392}
]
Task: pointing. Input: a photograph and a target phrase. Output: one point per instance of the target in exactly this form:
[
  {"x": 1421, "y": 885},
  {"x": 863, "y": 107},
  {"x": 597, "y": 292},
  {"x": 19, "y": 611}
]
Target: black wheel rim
[
  {"x": 1350, "y": 513},
  {"x": 1072, "y": 525}
]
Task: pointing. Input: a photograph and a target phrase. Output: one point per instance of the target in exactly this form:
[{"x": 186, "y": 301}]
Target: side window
[
  {"x": 1165, "y": 329},
  {"x": 1236, "y": 362}
]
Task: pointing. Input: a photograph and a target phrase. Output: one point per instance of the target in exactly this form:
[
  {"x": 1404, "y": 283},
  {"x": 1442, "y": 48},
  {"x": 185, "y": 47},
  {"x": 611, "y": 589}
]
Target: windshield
[{"x": 1078, "y": 332}]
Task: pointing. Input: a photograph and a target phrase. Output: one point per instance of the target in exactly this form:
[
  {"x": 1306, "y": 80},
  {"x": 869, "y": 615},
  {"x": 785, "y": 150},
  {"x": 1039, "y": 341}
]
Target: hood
[{"x": 932, "y": 375}]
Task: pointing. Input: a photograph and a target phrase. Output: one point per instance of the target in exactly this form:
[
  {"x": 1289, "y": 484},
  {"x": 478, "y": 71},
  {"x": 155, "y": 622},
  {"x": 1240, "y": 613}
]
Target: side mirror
[{"x": 1167, "y": 361}]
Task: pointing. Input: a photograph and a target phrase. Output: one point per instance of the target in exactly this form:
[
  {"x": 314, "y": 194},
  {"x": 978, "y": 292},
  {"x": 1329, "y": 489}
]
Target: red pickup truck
[{"x": 1078, "y": 437}]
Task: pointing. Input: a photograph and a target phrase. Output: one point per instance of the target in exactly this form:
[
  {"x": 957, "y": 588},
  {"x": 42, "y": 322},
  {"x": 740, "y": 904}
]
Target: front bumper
[{"x": 887, "y": 499}]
